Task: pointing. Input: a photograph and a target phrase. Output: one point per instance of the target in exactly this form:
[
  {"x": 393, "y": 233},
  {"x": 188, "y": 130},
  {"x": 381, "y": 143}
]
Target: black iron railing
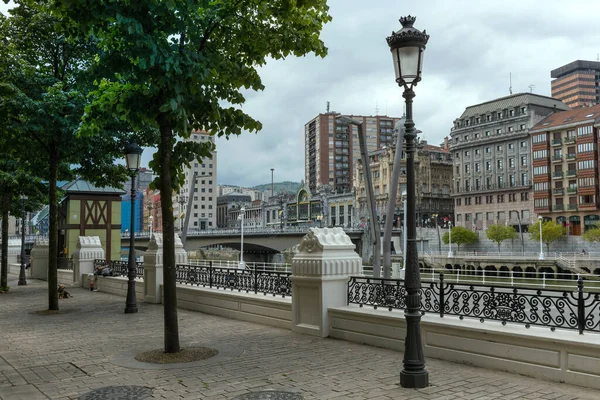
[
  {"x": 65, "y": 263},
  {"x": 247, "y": 280},
  {"x": 551, "y": 308},
  {"x": 120, "y": 268}
]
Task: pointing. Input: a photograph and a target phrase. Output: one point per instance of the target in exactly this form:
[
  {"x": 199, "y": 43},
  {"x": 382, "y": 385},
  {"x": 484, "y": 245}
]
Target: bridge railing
[
  {"x": 247, "y": 279},
  {"x": 259, "y": 266},
  {"x": 247, "y": 230},
  {"x": 119, "y": 267},
  {"x": 550, "y": 308}
]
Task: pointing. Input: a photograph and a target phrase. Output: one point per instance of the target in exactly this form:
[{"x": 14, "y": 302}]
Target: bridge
[{"x": 260, "y": 244}]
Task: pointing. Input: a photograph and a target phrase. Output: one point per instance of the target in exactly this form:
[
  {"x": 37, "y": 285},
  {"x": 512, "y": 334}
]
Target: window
[
  {"x": 586, "y": 182},
  {"x": 540, "y": 154},
  {"x": 489, "y": 117},
  {"x": 477, "y": 167},
  {"x": 498, "y": 131},
  {"x": 586, "y": 164},
  {"x": 488, "y": 150},
  {"x": 511, "y": 146},
  {"x": 540, "y": 187},
  {"x": 523, "y": 144},
  {"x": 488, "y": 165},
  {"x": 458, "y": 202},
  {"x": 499, "y": 115},
  {"x": 585, "y": 147},
  {"x": 511, "y": 113},
  {"x": 524, "y": 178},
  {"x": 541, "y": 138},
  {"x": 489, "y": 200},
  {"x": 487, "y": 133},
  {"x": 499, "y": 164},
  {"x": 500, "y": 198},
  {"x": 522, "y": 127},
  {"x": 499, "y": 147},
  {"x": 523, "y": 161},
  {"x": 523, "y": 110},
  {"x": 584, "y": 130},
  {"x": 477, "y": 151},
  {"x": 467, "y": 153},
  {"x": 511, "y": 162},
  {"x": 467, "y": 168},
  {"x": 500, "y": 181},
  {"x": 511, "y": 180},
  {"x": 524, "y": 196},
  {"x": 540, "y": 203},
  {"x": 510, "y": 129},
  {"x": 540, "y": 170}
]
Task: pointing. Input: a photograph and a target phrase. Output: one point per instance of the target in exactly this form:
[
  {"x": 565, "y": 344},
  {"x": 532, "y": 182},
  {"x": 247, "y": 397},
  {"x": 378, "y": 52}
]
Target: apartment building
[
  {"x": 332, "y": 149},
  {"x": 203, "y": 193},
  {"x": 577, "y": 84},
  {"x": 565, "y": 168},
  {"x": 491, "y": 151}
]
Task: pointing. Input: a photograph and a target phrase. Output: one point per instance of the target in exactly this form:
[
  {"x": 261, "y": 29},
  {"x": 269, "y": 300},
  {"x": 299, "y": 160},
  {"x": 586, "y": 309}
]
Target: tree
[
  {"x": 183, "y": 65},
  {"x": 500, "y": 233},
  {"x": 43, "y": 99},
  {"x": 551, "y": 232},
  {"x": 592, "y": 235},
  {"x": 461, "y": 235}
]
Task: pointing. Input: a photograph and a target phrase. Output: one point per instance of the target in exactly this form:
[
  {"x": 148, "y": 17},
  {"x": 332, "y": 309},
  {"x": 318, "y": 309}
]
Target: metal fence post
[
  {"x": 442, "y": 295},
  {"x": 580, "y": 307},
  {"x": 210, "y": 274},
  {"x": 255, "y": 279}
]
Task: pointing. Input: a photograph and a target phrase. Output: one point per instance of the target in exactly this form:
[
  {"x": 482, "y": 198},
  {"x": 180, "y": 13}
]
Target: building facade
[
  {"x": 228, "y": 202},
  {"x": 491, "y": 151},
  {"x": 202, "y": 193},
  {"x": 332, "y": 149},
  {"x": 565, "y": 168},
  {"x": 577, "y": 84},
  {"x": 433, "y": 177}
]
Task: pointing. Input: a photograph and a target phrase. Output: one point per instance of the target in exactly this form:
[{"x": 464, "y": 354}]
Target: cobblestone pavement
[{"x": 91, "y": 346}]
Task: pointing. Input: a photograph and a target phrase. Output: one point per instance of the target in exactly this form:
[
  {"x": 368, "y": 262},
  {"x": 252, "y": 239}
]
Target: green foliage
[
  {"x": 461, "y": 235},
  {"x": 592, "y": 235},
  {"x": 4, "y": 289},
  {"x": 500, "y": 233},
  {"x": 551, "y": 232},
  {"x": 279, "y": 187}
]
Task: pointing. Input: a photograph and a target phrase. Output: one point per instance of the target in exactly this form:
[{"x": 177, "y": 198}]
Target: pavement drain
[
  {"x": 269, "y": 395},
  {"x": 118, "y": 393}
]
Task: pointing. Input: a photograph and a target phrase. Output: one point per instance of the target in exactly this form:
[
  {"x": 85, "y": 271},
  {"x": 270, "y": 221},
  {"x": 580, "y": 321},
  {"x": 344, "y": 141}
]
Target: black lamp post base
[
  {"x": 414, "y": 380},
  {"x": 131, "y": 309},
  {"x": 22, "y": 283}
]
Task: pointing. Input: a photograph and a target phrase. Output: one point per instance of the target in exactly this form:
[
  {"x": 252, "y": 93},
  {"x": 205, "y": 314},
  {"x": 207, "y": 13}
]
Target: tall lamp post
[
  {"x": 407, "y": 47},
  {"x": 272, "y": 186},
  {"x": 181, "y": 200},
  {"x": 133, "y": 156},
  {"x": 404, "y": 196},
  {"x": 22, "y": 278},
  {"x": 541, "y": 220},
  {"x": 450, "y": 254},
  {"x": 241, "y": 218}
]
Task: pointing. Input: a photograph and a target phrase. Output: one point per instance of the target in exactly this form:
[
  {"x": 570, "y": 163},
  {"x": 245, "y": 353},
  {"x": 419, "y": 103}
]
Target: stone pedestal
[
  {"x": 320, "y": 273},
  {"x": 153, "y": 266},
  {"x": 39, "y": 259},
  {"x": 88, "y": 249},
  {"x": 14, "y": 250}
]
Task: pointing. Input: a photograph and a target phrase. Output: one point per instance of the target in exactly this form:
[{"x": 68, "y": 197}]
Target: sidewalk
[{"x": 91, "y": 345}]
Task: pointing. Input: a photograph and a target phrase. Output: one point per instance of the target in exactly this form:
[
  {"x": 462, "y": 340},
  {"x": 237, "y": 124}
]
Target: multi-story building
[
  {"x": 491, "y": 151},
  {"x": 227, "y": 202},
  {"x": 332, "y": 149},
  {"x": 433, "y": 176},
  {"x": 565, "y": 168},
  {"x": 577, "y": 84},
  {"x": 204, "y": 197}
]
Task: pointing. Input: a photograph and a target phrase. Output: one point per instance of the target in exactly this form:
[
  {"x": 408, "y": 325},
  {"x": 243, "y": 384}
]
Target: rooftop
[
  {"x": 512, "y": 101},
  {"x": 81, "y": 186},
  {"x": 575, "y": 66},
  {"x": 570, "y": 117}
]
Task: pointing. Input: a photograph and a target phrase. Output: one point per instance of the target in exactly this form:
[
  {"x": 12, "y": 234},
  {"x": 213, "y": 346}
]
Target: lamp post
[
  {"x": 450, "y": 254},
  {"x": 272, "y": 186},
  {"x": 22, "y": 279},
  {"x": 241, "y": 218},
  {"x": 181, "y": 200},
  {"x": 407, "y": 47},
  {"x": 133, "y": 156},
  {"x": 281, "y": 213},
  {"x": 320, "y": 219},
  {"x": 541, "y": 220},
  {"x": 150, "y": 218},
  {"x": 404, "y": 196}
]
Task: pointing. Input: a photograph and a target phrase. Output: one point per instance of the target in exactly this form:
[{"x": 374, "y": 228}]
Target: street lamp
[
  {"x": 150, "y": 218},
  {"x": 133, "y": 156},
  {"x": 404, "y": 196},
  {"x": 272, "y": 186},
  {"x": 450, "y": 254},
  {"x": 241, "y": 218},
  {"x": 541, "y": 220},
  {"x": 22, "y": 278},
  {"x": 407, "y": 47},
  {"x": 181, "y": 200},
  {"x": 320, "y": 219}
]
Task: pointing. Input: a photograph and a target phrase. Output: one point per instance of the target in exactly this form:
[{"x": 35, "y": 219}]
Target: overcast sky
[{"x": 473, "y": 47}]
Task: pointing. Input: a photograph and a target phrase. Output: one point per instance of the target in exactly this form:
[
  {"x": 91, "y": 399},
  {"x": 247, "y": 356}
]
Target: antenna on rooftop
[
  {"x": 376, "y": 108},
  {"x": 327, "y": 107},
  {"x": 531, "y": 87},
  {"x": 597, "y": 56},
  {"x": 510, "y": 82},
  {"x": 386, "y": 108}
]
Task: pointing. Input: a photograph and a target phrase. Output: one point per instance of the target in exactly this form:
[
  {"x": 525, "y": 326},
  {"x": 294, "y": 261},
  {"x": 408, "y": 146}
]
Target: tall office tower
[
  {"x": 565, "y": 168},
  {"x": 332, "y": 149},
  {"x": 577, "y": 83},
  {"x": 491, "y": 151},
  {"x": 204, "y": 197}
]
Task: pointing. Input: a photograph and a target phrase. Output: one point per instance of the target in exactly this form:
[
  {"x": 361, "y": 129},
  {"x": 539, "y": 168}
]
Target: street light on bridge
[
  {"x": 241, "y": 218},
  {"x": 133, "y": 156}
]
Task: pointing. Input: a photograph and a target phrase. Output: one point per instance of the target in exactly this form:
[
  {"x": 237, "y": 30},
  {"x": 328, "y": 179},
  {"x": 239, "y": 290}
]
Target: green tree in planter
[
  {"x": 461, "y": 235},
  {"x": 551, "y": 232},
  {"x": 184, "y": 65},
  {"x": 500, "y": 233},
  {"x": 593, "y": 234}
]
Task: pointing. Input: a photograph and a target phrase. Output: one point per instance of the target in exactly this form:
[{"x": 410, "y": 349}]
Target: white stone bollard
[
  {"x": 153, "y": 266},
  {"x": 320, "y": 273},
  {"x": 88, "y": 249},
  {"x": 39, "y": 259}
]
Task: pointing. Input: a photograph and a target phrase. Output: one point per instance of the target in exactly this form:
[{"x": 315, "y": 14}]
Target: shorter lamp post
[
  {"x": 22, "y": 278},
  {"x": 320, "y": 219},
  {"x": 450, "y": 254},
  {"x": 181, "y": 200},
  {"x": 150, "y": 218},
  {"x": 404, "y": 196},
  {"x": 541, "y": 220},
  {"x": 241, "y": 218},
  {"x": 133, "y": 156}
]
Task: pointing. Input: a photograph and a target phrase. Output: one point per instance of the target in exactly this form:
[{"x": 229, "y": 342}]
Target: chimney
[{"x": 445, "y": 146}]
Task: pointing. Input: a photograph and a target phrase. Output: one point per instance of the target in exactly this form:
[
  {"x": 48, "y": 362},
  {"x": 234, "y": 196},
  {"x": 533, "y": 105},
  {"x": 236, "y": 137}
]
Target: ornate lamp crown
[{"x": 408, "y": 35}]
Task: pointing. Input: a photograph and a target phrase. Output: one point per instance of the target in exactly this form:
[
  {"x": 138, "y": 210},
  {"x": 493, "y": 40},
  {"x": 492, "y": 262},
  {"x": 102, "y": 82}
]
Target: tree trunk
[
  {"x": 53, "y": 233},
  {"x": 165, "y": 155},
  {"x": 4, "y": 262}
]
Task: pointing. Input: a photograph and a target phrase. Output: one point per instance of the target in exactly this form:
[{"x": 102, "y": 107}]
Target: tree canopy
[
  {"x": 551, "y": 232},
  {"x": 500, "y": 233},
  {"x": 593, "y": 234},
  {"x": 460, "y": 235}
]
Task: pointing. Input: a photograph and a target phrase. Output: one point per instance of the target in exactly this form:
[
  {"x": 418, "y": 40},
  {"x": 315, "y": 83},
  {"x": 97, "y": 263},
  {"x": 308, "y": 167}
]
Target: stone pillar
[
  {"x": 320, "y": 273},
  {"x": 153, "y": 266},
  {"x": 14, "y": 251},
  {"x": 39, "y": 259},
  {"x": 88, "y": 249}
]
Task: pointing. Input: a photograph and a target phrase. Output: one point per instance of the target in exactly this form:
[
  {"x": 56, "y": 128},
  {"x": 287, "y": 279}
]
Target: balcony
[
  {"x": 572, "y": 189},
  {"x": 558, "y": 207},
  {"x": 571, "y": 156},
  {"x": 557, "y": 158},
  {"x": 572, "y": 207},
  {"x": 558, "y": 191},
  {"x": 587, "y": 205},
  {"x": 556, "y": 142},
  {"x": 570, "y": 140},
  {"x": 557, "y": 174},
  {"x": 571, "y": 172}
]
